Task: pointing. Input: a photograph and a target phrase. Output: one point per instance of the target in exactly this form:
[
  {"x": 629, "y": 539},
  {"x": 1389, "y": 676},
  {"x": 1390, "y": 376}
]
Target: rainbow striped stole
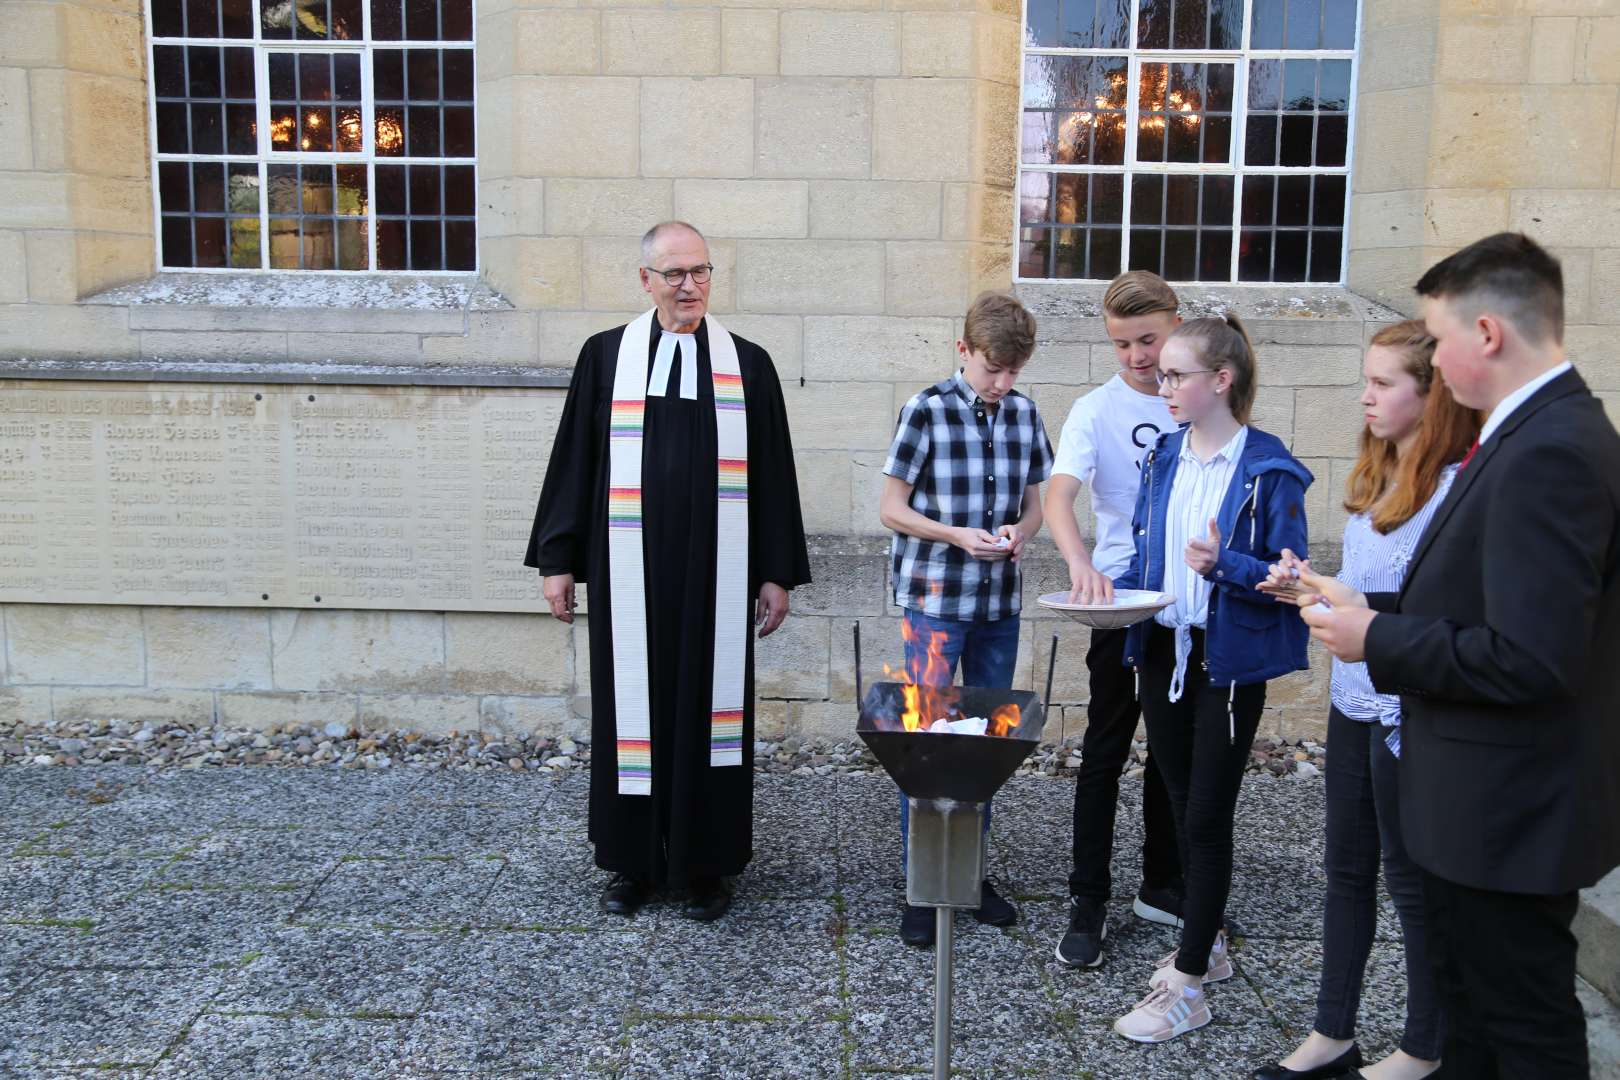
[{"x": 733, "y": 609}]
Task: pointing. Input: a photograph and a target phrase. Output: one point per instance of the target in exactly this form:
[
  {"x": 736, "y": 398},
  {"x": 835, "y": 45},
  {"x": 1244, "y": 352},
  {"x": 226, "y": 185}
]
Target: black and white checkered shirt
[{"x": 968, "y": 466}]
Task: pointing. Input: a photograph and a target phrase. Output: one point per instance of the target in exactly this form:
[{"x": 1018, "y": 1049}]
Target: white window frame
[
  {"x": 264, "y": 156},
  {"x": 1235, "y": 167}
]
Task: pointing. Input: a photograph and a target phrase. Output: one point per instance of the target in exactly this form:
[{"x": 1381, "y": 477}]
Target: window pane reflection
[{"x": 1190, "y": 24}]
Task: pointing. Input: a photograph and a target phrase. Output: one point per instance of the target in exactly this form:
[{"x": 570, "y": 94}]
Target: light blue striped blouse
[
  {"x": 1376, "y": 562},
  {"x": 1196, "y": 495}
]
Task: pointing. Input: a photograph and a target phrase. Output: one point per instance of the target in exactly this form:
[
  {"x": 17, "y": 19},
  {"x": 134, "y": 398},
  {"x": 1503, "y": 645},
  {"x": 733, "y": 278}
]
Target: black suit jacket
[{"x": 1504, "y": 644}]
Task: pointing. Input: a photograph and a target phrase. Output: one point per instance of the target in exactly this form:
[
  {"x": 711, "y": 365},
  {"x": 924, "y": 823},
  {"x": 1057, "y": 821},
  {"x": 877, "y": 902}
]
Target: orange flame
[
  {"x": 1003, "y": 720},
  {"x": 934, "y": 696}
]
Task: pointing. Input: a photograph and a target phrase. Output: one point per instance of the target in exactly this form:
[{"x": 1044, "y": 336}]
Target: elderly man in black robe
[{"x": 671, "y": 491}]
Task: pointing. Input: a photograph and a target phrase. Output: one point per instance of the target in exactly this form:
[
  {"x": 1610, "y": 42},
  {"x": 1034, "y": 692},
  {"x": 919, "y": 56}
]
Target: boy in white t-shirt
[{"x": 1108, "y": 433}]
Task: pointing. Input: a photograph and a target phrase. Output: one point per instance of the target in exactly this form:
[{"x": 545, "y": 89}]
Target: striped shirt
[
  {"x": 1196, "y": 494},
  {"x": 1376, "y": 562}
]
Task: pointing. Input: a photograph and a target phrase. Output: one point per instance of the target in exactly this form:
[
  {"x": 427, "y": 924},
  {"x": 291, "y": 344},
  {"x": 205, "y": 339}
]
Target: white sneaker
[
  {"x": 1164, "y": 1014},
  {"x": 1219, "y": 970}
]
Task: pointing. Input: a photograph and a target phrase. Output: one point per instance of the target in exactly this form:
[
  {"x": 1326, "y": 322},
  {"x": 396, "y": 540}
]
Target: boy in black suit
[{"x": 1503, "y": 644}]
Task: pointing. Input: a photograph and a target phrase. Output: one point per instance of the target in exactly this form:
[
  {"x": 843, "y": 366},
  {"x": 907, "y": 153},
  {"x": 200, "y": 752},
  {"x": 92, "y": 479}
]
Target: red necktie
[{"x": 1472, "y": 450}]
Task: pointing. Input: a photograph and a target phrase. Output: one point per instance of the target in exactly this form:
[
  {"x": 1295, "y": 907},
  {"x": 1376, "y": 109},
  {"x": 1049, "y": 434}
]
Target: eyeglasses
[
  {"x": 675, "y": 276},
  {"x": 1174, "y": 377}
]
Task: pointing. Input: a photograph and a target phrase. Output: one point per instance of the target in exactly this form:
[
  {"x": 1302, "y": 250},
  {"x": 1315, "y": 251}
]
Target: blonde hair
[
  {"x": 1393, "y": 488},
  {"x": 1001, "y": 328},
  {"x": 1222, "y": 344},
  {"x": 1139, "y": 292}
]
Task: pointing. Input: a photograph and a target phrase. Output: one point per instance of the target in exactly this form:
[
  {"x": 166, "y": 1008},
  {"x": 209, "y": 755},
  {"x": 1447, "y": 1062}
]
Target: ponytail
[{"x": 1223, "y": 344}]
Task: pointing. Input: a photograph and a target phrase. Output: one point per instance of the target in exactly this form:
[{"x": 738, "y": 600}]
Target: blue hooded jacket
[{"x": 1251, "y": 637}]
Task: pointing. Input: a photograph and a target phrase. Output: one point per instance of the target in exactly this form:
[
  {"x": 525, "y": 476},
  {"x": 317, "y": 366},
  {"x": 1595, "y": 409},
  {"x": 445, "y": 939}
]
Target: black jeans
[
  {"x": 1111, "y": 720},
  {"x": 1202, "y": 743},
  {"x": 1364, "y": 820},
  {"x": 1505, "y": 967}
]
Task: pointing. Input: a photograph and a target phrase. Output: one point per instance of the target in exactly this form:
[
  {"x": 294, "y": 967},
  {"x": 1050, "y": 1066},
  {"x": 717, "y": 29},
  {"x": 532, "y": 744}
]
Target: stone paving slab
[
  {"x": 316, "y": 923},
  {"x": 92, "y": 1017},
  {"x": 432, "y": 891}
]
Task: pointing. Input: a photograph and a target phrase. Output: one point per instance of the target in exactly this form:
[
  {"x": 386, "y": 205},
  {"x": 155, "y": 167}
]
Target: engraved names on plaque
[{"x": 271, "y": 496}]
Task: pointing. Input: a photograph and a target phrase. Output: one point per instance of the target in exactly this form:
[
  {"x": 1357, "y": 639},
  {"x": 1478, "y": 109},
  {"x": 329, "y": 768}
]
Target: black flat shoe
[
  {"x": 708, "y": 900},
  {"x": 624, "y": 895},
  {"x": 1339, "y": 1066}
]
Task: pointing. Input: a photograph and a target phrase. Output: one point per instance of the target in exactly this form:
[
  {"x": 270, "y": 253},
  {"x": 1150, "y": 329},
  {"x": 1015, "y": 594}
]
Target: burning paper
[{"x": 968, "y": 725}]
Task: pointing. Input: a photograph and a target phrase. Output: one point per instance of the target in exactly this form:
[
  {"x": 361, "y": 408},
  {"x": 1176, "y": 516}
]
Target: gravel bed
[{"x": 102, "y": 742}]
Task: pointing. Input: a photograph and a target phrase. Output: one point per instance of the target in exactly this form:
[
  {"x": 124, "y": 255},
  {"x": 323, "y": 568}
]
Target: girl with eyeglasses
[{"x": 1219, "y": 501}]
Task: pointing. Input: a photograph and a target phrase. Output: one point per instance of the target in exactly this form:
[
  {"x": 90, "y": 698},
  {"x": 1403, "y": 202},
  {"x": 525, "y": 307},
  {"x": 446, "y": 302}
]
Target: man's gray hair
[{"x": 650, "y": 237}]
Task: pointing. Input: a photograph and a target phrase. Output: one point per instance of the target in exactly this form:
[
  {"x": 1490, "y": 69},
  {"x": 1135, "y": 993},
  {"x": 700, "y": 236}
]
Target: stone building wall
[
  {"x": 1482, "y": 115},
  {"x": 853, "y": 162}
]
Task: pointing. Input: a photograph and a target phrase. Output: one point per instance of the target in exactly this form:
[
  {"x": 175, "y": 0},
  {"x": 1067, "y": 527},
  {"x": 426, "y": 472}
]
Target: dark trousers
[
  {"x": 1110, "y": 726},
  {"x": 1505, "y": 968},
  {"x": 1202, "y": 742},
  {"x": 1364, "y": 821}
]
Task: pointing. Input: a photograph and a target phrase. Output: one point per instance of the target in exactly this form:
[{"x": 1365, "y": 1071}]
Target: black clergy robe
[{"x": 698, "y": 821}]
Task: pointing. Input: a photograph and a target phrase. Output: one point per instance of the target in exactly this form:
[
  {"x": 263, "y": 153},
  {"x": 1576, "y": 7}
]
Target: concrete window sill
[
  {"x": 1252, "y": 303},
  {"x": 303, "y": 302}
]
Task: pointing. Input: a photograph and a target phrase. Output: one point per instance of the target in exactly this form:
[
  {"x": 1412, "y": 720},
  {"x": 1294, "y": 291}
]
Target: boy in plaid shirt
[{"x": 962, "y": 495}]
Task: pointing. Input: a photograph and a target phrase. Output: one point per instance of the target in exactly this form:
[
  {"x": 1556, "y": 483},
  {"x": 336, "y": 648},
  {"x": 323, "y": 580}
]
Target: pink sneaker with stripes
[{"x": 1167, "y": 1012}]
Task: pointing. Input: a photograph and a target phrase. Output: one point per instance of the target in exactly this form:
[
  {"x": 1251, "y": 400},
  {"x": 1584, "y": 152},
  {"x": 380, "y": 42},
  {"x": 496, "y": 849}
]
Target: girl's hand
[
  {"x": 1292, "y": 580},
  {"x": 1282, "y": 581},
  {"x": 1203, "y": 554}
]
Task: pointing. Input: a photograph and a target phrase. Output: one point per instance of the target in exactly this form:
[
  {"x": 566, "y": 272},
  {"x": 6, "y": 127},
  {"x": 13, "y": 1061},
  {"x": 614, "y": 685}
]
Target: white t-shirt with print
[{"x": 1108, "y": 433}]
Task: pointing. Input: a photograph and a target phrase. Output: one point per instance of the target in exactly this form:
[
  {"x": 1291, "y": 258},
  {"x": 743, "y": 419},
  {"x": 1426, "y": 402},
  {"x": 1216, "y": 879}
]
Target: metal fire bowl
[{"x": 967, "y": 768}]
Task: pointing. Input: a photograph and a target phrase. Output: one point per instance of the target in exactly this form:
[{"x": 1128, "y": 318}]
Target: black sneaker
[
  {"x": 1082, "y": 946},
  {"x": 917, "y": 926},
  {"x": 993, "y": 910},
  {"x": 1158, "y": 904}
]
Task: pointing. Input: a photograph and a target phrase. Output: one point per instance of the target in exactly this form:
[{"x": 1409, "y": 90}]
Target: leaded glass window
[
  {"x": 326, "y": 135},
  {"x": 1206, "y": 140}
]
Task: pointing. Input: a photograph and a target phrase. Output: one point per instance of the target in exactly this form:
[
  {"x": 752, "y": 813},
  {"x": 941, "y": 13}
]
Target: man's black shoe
[
  {"x": 1082, "y": 946},
  {"x": 1158, "y": 904},
  {"x": 707, "y": 900},
  {"x": 993, "y": 910},
  {"x": 917, "y": 926},
  {"x": 624, "y": 895}
]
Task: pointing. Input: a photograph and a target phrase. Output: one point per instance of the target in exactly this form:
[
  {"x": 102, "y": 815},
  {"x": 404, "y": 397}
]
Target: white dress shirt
[
  {"x": 1523, "y": 394},
  {"x": 1196, "y": 495}
]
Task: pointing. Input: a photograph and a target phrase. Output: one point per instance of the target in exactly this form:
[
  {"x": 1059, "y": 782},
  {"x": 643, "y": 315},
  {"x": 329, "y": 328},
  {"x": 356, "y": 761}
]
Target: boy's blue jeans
[{"x": 987, "y": 652}]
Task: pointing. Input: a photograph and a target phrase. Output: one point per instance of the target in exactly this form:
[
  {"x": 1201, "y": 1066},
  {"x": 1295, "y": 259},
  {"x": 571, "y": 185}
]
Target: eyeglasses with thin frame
[
  {"x": 674, "y": 276},
  {"x": 1174, "y": 377}
]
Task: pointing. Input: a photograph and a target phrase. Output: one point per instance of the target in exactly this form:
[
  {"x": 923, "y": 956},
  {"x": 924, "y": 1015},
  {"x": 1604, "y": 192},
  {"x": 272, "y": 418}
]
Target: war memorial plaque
[{"x": 271, "y": 495}]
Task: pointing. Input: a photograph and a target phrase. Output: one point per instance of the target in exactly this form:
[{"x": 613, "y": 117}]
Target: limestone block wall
[
  {"x": 498, "y": 672},
  {"x": 853, "y": 162},
  {"x": 1485, "y": 115},
  {"x": 427, "y": 671},
  {"x": 75, "y": 195}
]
